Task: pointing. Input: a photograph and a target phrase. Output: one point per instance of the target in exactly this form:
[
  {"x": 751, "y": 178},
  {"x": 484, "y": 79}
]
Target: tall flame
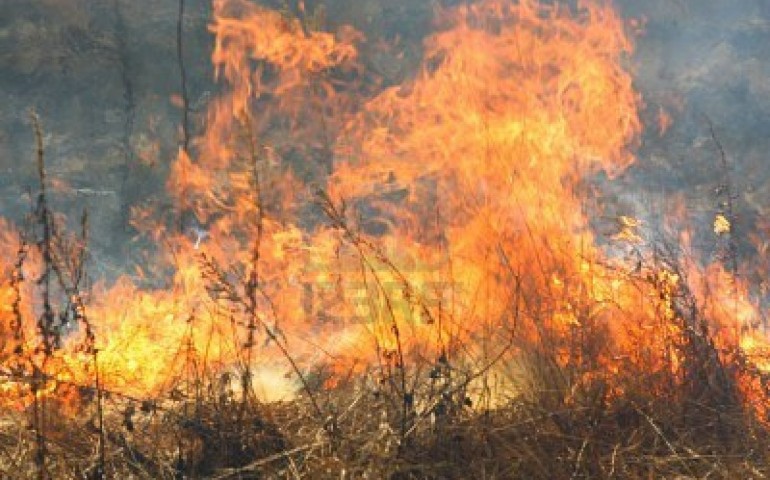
[{"x": 455, "y": 203}]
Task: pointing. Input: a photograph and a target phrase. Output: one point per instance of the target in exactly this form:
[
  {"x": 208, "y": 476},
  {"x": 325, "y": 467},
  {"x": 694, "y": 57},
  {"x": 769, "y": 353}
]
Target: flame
[
  {"x": 513, "y": 108},
  {"x": 466, "y": 221}
]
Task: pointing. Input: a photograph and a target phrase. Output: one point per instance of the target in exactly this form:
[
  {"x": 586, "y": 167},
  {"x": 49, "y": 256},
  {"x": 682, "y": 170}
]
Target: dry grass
[
  {"x": 554, "y": 431},
  {"x": 412, "y": 418}
]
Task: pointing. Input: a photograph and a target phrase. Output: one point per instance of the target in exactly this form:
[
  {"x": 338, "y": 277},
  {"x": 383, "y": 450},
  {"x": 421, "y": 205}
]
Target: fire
[
  {"x": 513, "y": 108},
  {"x": 464, "y": 222}
]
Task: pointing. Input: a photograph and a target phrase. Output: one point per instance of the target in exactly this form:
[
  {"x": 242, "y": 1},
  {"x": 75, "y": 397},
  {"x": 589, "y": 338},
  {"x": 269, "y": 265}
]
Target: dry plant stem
[
  {"x": 285, "y": 352},
  {"x": 336, "y": 215},
  {"x": 16, "y": 281},
  {"x": 253, "y": 288},
  {"x": 183, "y": 77},
  {"x": 660, "y": 434},
  {"x": 726, "y": 188},
  {"x": 468, "y": 380},
  {"x": 45, "y": 323},
  {"x": 129, "y": 107},
  {"x": 231, "y": 294},
  {"x": 235, "y": 472},
  {"x": 337, "y": 218},
  {"x": 183, "y": 205},
  {"x": 579, "y": 460},
  {"x": 253, "y": 282},
  {"x": 100, "y": 419},
  {"x": 79, "y": 309},
  {"x": 62, "y": 277}
]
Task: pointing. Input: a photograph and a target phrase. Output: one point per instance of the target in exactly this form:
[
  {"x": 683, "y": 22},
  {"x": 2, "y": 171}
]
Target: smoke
[
  {"x": 703, "y": 64},
  {"x": 103, "y": 76}
]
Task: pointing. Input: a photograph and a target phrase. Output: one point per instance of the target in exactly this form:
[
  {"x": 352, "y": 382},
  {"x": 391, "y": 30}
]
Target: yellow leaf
[{"x": 721, "y": 224}]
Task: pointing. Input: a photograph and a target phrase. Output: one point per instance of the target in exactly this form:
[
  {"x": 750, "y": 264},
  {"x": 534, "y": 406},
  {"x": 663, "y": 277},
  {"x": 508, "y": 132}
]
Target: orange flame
[{"x": 470, "y": 179}]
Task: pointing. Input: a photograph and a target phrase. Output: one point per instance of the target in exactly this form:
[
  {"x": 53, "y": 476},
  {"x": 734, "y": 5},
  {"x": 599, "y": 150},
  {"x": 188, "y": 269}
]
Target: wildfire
[{"x": 464, "y": 223}]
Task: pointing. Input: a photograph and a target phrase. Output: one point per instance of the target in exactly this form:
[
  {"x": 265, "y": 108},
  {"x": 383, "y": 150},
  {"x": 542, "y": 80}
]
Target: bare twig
[{"x": 183, "y": 77}]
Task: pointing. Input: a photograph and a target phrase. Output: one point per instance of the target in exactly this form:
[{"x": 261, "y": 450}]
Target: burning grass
[
  {"x": 440, "y": 307},
  {"x": 556, "y": 427}
]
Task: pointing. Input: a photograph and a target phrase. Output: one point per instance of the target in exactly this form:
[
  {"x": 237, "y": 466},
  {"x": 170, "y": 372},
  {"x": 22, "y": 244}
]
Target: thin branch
[{"x": 183, "y": 77}]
